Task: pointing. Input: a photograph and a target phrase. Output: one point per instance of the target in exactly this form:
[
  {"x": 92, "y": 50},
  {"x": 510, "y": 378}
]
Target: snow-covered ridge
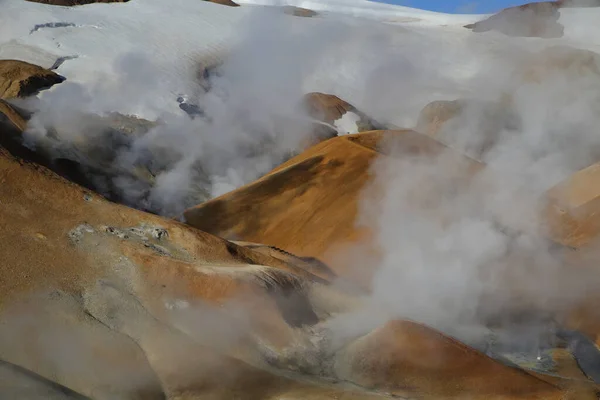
[
  {"x": 107, "y": 40},
  {"x": 108, "y": 47},
  {"x": 381, "y": 11},
  {"x": 99, "y": 45}
]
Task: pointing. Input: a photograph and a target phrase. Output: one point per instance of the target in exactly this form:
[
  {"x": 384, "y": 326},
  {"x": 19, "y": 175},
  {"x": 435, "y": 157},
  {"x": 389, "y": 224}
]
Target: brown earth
[
  {"x": 309, "y": 204},
  {"x": 310, "y": 264},
  {"x": 20, "y": 79},
  {"x": 472, "y": 125},
  {"x": 435, "y": 114},
  {"x": 579, "y": 3},
  {"x": 326, "y": 107},
  {"x": 102, "y": 301},
  {"x": 100, "y": 281},
  {"x": 18, "y": 383},
  {"x": 572, "y": 208},
  {"x": 88, "y": 161},
  {"x": 319, "y": 192},
  {"x": 11, "y": 118}
]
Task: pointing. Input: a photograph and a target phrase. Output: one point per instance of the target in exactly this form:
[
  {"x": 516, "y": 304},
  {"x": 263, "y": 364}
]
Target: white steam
[
  {"x": 447, "y": 259},
  {"x": 458, "y": 252},
  {"x": 248, "y": 121}
]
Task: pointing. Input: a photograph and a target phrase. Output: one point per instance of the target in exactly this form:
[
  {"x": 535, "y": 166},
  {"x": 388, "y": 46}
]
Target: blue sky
[{"x": 460, "y": 6}]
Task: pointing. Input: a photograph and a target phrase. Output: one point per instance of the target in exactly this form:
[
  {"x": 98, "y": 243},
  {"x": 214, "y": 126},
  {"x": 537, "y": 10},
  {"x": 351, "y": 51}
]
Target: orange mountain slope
[
  {"x": 74, "y": 262},
  {"x": 309, "y": 204}
]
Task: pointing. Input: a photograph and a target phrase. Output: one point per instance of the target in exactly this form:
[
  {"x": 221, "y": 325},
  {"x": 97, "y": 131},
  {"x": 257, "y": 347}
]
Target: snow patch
[
  {"x": 347, "y": 124},
  {"x": 59, "y": 61},
  {"x": 176, "y": 304}
]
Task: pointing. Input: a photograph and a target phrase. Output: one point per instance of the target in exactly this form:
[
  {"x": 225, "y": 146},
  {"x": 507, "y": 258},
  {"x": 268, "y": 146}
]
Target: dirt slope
[
  {"x": 299, "y": 11},
  {"x": 20, "y": 79},
  {"x": 225, "y": 3},
  {"x": 572, "y": 208},
  {"x": 110, "y": 302},
  {"x": 416, "y": 356}
]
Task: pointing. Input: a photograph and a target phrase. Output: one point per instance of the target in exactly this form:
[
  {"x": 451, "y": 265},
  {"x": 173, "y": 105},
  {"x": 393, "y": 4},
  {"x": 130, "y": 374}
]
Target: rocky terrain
[{"x": 373, "y": 202}]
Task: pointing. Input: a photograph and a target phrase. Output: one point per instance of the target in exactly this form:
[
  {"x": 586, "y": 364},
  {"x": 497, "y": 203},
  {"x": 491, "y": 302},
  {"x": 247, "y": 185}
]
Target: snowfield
[
  {"x": 378, "y": 11},
  {"x": 139, "y": 57}
]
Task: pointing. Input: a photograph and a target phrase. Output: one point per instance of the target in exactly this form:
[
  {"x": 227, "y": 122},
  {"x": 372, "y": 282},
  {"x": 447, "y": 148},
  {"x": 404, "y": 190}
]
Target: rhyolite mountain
[{"x": 206, "y": 201}]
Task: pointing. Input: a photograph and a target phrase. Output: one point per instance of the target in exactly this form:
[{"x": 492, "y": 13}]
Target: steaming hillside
[{"x": 333, "y": 199}]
